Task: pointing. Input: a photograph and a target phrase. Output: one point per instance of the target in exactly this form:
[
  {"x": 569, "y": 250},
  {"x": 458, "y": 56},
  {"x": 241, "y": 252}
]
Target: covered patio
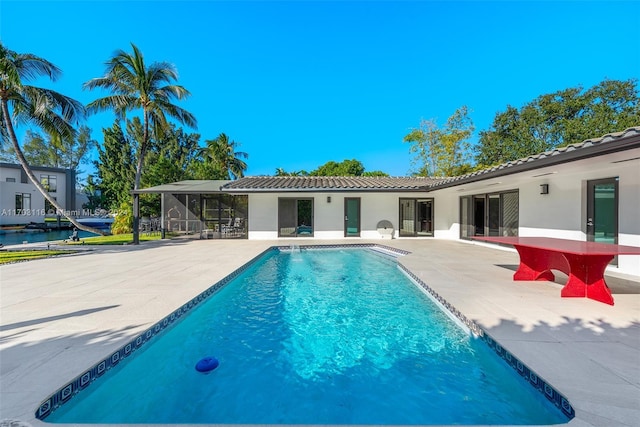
[{"x": 197, "y": 208}]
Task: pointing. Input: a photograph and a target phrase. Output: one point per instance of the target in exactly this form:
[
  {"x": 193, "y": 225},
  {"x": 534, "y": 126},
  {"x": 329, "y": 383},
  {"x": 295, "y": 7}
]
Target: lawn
[
  {"x": 116, "y": 239},
  {"x": 26, "y": 255}
]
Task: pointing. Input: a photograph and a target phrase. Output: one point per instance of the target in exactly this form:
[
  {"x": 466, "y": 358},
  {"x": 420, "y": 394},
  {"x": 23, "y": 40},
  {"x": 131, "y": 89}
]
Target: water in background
[{"x": 35, "y": 236}]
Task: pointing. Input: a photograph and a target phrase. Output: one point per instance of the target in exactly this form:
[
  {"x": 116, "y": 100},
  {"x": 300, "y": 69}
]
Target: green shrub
[{"x": 123, "y": 222}]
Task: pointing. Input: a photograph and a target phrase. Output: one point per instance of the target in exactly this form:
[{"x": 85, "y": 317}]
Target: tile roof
[
  {"x": 340, "y": 183},
  {"x": 586, "y": 148},
  {"x": 627, "y": 139}
]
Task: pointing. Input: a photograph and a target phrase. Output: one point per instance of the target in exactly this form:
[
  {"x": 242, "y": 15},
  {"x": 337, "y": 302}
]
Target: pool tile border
[
  {"x": 538, "y": 383},
  {"x": 65, "y": 393},
  {"x": 82, "y": 381}
]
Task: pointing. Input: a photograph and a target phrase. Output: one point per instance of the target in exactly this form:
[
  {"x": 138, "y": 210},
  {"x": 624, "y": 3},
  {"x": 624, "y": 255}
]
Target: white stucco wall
[
  {"x": 328, "y": 217},
  {"x": 8, "y": 190},
  {"x": 563, "y": 212}
]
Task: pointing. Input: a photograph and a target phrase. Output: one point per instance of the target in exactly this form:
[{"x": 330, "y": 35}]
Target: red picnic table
[{"x": 583, "y": 262}]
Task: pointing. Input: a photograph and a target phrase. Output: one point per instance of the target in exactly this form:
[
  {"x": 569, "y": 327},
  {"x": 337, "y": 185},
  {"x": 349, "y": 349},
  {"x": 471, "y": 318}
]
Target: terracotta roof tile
[{"x": 315, "y": 183}]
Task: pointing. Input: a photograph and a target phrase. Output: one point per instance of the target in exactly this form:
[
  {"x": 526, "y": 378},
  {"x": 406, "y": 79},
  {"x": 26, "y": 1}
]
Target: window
[
  {"x": 23, "y": 203},
  {"x": 416, "y": 217},
  {"x": 11, "y": 180},
  {"x": 49, "y": 182},
  {"x": 295, "y": 217},
  {"x": 494, "y": 214},
  {"x": 48, "y": 207}
]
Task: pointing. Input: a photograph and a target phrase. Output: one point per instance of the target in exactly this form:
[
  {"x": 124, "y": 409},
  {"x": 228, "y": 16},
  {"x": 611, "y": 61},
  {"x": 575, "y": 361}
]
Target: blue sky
[{"x": 300, "y": 83}]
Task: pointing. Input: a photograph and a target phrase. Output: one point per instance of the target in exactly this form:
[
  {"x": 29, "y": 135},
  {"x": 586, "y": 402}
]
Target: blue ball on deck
[{"x": 207, "y": 364}]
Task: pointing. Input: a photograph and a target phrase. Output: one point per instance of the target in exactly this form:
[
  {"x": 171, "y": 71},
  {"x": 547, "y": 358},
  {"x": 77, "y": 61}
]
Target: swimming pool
[{"x": 313, "y": 336}]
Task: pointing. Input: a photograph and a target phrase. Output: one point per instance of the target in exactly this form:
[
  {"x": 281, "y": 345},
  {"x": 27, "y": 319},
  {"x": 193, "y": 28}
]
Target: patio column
[
  {"x": 136, "y": 219},
  {"x": 162, "y": 215}
]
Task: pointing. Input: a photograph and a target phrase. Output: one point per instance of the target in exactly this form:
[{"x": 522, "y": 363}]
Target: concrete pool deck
[{"x": 59, "y": 316}]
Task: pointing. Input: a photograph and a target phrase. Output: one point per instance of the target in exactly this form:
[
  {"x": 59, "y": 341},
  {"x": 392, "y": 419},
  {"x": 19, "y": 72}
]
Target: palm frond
[
  {"x": 118, "y": 103},
  {"x": 25, "y": 66},
  {"x": 178, "y": 113},
  {"x": 162, "y": 72}
]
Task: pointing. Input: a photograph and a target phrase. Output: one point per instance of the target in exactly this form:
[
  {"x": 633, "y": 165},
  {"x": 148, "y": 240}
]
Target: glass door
[
  {"x": 479, "y": 215},
  {"x": 416, "y": 217},
  {"x": 493, "y": 215},
  {"x": 352, "y": 217},
  {"x": 295, "y": 217},
  {"x": 424, "y": 217},
  {"x": 602, "y": 210},
  {"x": 407, "y": 217}
]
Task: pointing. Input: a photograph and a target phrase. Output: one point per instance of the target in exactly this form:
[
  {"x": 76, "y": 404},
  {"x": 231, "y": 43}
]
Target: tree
[
  {"x": 375, "y": 173},
  {"x": 558, "y": 119},
  {"x": 93, "y": 193},
  {"x": 135, "y": 86},
  {"x": 49, "y": 110},
  {"x": 224, "y": 162},
  {"x": 282, "y": 172},
  {"x": 345, "y": 168},
  {"x": 171, "y": 158},
  {"x": 442, "y": 152},
  {"x": 332, "y": 168},
  {"x": 424, "y": 146},
  {"x": 54, "y": 151},
  {"x": 115, "y": 166}
]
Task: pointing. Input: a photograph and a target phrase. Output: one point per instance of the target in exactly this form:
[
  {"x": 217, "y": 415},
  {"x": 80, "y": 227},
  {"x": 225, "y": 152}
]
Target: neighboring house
[
  {"x": 21, "y": 203},
  {"x": 585, "y": 191}
]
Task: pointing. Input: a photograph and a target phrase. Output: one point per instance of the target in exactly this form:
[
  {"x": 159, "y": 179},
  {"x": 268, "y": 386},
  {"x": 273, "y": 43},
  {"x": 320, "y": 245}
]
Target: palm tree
[
  {"x": 45, "y": 108},
  {"x": 134, "y": 86},
  {"x": 223, "y": 155}
]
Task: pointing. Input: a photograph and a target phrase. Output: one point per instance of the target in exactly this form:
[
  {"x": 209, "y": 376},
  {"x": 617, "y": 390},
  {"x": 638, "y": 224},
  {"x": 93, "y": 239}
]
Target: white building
[
  {"x": 586, "y": 191},
  {"x": 21, "y": 203}
]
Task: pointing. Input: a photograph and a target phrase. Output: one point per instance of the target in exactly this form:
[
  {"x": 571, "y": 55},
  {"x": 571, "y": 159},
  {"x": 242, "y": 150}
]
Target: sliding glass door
[
  {"x": 416, "y": 217},
  {"x": 295, "y": 217},
  {"x": 494, "y": 214}
]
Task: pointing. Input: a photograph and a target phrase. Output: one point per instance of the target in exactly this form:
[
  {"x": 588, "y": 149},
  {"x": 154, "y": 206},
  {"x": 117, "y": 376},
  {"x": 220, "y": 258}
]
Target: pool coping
[{"x": 65, "y": 393}]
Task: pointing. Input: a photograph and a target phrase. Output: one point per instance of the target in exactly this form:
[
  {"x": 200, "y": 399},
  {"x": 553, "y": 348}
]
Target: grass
[
  {"x": 116, "y": 239},
  {"x": 7, "y": 257}
]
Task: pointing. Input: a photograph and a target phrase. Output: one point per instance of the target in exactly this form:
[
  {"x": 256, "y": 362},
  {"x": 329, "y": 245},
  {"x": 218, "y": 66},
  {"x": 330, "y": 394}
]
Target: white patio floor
[{"x": 60, "y": 316}]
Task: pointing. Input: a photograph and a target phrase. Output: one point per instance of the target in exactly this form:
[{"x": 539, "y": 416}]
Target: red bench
[{"x": 583, "y": 262}]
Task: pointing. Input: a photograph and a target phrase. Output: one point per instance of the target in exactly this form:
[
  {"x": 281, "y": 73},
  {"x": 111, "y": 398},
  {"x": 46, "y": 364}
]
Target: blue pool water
[
  {"x": 36, "y": 236},
  {"x": 314, "y": 337}
]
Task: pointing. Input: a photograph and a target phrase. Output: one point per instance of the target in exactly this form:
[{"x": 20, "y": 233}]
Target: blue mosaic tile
[
  {"x": 532, "y": 378},
  {"x": 66, "y": 392},
  {"x": 101, "y": 368},
  {"x": 115, "y": 358},
  {"x": 85, "y": 379},
  {"x": 44, "y": 409}
]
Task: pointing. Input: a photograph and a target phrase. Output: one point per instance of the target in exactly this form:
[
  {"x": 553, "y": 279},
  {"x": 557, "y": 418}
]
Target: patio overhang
[{"x": 186, "y": 187}]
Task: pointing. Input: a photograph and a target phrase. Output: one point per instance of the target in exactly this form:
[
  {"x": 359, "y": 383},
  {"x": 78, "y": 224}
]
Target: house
[
  {"x": 584, "y": 191},
  {"x": 20, "y": 201}
]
